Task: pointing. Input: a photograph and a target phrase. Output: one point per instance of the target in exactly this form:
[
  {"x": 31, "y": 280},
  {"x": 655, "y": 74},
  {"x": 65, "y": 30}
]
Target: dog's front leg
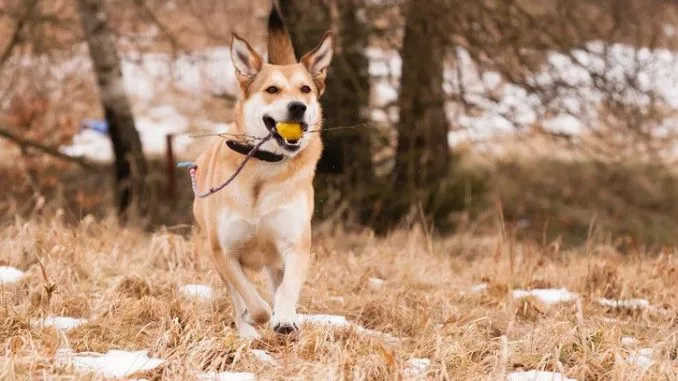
[
  {"x": 245, "y": 329},
  {"x": 296, "y": 260},
  {"x": 249, "y": 306}
]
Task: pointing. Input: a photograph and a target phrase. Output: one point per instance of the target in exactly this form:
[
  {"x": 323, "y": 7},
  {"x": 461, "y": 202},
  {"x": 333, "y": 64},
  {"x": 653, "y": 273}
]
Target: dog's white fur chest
[{"x": 274, "y": 219}]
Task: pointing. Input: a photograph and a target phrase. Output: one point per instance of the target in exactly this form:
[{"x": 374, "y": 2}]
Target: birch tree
[{"x": 130, "y": 164}]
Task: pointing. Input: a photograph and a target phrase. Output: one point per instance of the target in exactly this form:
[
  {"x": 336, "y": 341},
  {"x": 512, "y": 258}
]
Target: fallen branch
[{"x": 25, "y": 143}]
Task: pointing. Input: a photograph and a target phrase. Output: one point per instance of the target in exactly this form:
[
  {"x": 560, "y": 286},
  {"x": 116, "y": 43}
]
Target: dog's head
[{"x": 284, "y": 90}]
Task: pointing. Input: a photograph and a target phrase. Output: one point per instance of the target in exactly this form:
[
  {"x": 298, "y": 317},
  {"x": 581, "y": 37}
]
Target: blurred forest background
[{"x": 556, "y": 114}]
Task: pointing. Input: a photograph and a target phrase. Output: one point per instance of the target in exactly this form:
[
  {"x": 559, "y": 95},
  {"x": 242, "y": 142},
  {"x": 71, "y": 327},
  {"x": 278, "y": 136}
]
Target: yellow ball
[{"x": 289, "y": 130}]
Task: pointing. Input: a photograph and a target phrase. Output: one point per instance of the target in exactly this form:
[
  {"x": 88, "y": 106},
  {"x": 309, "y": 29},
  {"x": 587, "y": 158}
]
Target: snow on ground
[
  {"x": 147, "y": 77},
  {"x": 499, "y": 107},
  {"x": 153, "y": 127},
  {"x": 480, "y": 287},
  {"x": 339, "y": 321},
  {"x": 63, "y": 323},
  {"x": 535, "y": 375},
  {"x": 9, "y": 274},
  {"x": 322, "y": 319},
  {"x": 264, "y": 357},
  {"x": 227, "y": 376},
  {"x": 547, "y": 296},
  {"x": 199, "y": 291},
  {"x": 628, "y": 341},
  {"x": 641, "y": 358},
  {"x": 627, "y": 304},
  {"x": 115, "y": 363},
  {"x": 416, "y": 366},
  {"x": 198, "y": 73},
  {"x": 375, "y": 284}
]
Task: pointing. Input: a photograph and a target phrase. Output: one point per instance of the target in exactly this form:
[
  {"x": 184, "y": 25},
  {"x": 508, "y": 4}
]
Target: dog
[{"x": 262, "y": 220}]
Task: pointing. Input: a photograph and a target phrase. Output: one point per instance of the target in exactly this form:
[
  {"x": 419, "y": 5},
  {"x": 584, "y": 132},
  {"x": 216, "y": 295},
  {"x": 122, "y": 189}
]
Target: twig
[
  {"x": 225, "y": 134},
  {"x": 214, "y": 190},
  {"x": 361, "y": 125},
  {"x": 25, "y": 143}
]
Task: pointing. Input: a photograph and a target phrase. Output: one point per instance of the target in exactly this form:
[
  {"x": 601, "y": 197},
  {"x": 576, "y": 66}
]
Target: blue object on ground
[
  {"x": 186, "y": 164},
  {"x": 99, "y": 126}
]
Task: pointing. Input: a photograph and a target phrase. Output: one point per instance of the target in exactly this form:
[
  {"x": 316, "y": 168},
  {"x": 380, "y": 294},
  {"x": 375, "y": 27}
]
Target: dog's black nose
[{"x": 296, "y": 109}]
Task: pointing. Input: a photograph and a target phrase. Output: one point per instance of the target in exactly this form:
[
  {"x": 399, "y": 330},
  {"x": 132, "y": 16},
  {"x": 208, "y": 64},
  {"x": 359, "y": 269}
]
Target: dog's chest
[{"x": 263, "y": 216}]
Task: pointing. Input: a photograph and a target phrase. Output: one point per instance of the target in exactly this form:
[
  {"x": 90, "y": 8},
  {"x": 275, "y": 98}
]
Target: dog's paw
[{"x": 284, "y": 326}]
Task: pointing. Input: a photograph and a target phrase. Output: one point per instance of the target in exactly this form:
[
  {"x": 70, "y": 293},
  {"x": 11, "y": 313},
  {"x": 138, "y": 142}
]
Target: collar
[{"x": 261, "y": 155}]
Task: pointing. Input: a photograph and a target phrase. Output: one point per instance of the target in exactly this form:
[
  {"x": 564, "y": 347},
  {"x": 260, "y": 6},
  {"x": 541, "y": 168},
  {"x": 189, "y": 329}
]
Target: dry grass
[{"x": 125, "y": 282}]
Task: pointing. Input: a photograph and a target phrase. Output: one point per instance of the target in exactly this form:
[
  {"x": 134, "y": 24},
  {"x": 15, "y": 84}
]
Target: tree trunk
[
  {"x": 423, "y": 157},
  {"x": 130, "y": 164},
  {"x": 346, "y": 163}
]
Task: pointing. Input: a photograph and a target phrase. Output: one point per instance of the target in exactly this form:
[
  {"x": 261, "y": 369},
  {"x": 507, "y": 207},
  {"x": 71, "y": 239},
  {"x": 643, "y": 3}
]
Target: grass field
[{"x": 431, "y": 306}]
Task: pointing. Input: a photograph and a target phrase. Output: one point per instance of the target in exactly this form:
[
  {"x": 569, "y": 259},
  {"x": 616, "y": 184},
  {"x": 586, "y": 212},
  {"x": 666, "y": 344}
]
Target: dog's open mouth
[{"x": 290, "y": 144}]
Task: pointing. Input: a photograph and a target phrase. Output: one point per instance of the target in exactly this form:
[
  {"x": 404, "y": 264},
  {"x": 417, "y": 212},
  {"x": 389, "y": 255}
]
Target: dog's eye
[
  {"x": 272, "y": 90},
  {"x": 305, "y": 89}
]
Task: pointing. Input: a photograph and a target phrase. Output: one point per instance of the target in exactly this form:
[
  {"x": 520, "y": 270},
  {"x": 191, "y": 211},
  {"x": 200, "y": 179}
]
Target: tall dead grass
[{"x": 125, "y": 282}]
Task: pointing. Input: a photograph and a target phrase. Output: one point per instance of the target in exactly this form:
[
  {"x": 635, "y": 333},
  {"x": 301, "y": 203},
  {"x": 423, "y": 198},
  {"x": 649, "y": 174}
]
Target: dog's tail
[{"x": 280, "y": 49}]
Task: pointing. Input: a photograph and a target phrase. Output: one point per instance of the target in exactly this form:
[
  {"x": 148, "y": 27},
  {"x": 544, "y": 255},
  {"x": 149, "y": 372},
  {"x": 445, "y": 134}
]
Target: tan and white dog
[{"x": 262, "y": 220}]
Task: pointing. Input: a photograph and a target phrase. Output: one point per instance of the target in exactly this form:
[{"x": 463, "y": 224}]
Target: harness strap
[{"x": 251, "y": 152}]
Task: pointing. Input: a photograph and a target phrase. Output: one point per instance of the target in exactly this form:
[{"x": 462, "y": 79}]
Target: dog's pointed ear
[
  {"x": 318, "y": 60},
  {"x": 247, "y": 61}
]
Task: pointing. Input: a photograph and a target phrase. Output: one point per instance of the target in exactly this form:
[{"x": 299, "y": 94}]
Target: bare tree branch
[
  {"x": 15, "y": 39},
  {"x": 25, "y": 143}
]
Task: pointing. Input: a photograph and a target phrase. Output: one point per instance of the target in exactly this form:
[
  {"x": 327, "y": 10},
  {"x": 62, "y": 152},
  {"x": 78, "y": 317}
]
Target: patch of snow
[
  {"x": 63, "y": 323},
  {"x": 227, "y": 376},
  {"x": 628, "y": 341},
  {"x": 339, "y": 321},
  {"x": 383, "y": 93},
  {"x": 89, "y": 144},
  {"x": 479, "y": 287},
  {"x": 416, "y": 366},
  {"x": 9, "y": 274},
  {"x": 536, "y": 375},
  {"x": 634, "y": 75},
  {"x": 379, "y": 116},
  {"x": 628, "y": 304},
  {"x": 375, "y": 283},
  {"x": 642, "y": 358},
  {"x": 323, "y": 319},
  {"x": 564, "y": 124},
  {"x": 199, "y": 291},
  {"x": 264, "y": 357},
  {"x": 153, "y": 127},
  {"x": 491, "y": 79},
  {"x": 206, "y": 71},
  {"x": 116, "y": 363},
  {"x": 63, "y": 356},
  {"x": 384, "y": 63},
  {"x": 547, "y": 296}
]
